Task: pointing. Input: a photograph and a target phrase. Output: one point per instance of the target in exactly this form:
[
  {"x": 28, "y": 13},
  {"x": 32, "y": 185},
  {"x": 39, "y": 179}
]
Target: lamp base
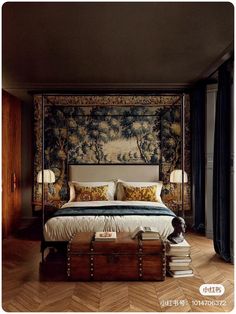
[{"x": 180, "y": 211}]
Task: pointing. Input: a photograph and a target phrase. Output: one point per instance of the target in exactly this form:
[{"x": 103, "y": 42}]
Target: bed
[{"x": 111, "y": 215}]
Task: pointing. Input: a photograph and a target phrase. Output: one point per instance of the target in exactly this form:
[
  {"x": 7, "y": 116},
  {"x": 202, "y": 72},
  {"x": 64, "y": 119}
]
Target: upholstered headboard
[{"x": 144, "y": 173}]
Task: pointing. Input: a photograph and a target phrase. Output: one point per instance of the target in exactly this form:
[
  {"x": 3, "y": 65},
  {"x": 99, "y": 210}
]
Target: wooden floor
[{"x": 25, "y": 290}]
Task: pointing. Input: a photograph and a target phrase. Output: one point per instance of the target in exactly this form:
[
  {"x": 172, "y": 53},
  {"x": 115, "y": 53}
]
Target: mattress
[{"x": 62, "y": 228}]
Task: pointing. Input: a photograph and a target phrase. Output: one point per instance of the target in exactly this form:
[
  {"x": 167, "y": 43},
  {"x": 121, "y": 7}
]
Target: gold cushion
[
  {"x": 147, "y": 193},
  {"x": 96, "y": 193}
]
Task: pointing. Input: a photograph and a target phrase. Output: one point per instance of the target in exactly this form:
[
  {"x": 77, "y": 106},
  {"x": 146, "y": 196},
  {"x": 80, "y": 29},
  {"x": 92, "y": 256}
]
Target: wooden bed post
[
  {"x": 183, "y": 149},
  {"x": 43, "y": 197},
  {"x": 46, "y": 102}
]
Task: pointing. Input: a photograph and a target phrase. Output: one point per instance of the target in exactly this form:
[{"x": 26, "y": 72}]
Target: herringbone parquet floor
[{"x": 24, "y": 290}]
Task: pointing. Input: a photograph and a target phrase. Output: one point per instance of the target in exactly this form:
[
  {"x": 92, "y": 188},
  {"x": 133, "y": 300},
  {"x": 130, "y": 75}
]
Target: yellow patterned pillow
[
  {"x": 147, "y": 193},
  {"x": 96, "y": 193}
]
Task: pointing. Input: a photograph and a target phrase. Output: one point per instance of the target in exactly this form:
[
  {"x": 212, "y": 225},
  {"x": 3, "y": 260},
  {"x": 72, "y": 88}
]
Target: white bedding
[{"x": 63, "y": 228}]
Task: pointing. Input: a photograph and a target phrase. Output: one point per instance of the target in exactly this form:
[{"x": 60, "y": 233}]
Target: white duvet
[{"x": 63, "y": 228}]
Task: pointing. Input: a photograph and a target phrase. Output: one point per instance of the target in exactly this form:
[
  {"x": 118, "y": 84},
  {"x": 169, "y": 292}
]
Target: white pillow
[
  {"x": 120, "y": 193},
  {"x": 111, "y": 188}
]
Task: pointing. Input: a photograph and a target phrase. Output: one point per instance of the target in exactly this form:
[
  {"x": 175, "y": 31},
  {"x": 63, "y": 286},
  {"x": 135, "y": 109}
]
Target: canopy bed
[{"x": 142, "y": 169}]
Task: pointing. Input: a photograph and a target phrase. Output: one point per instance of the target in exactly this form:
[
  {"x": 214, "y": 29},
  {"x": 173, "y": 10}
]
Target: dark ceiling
[{"x": 74, "y": 45}]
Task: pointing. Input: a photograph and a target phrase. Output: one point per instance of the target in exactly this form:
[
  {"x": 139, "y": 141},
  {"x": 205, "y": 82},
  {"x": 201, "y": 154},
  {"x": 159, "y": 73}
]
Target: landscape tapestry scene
[{"x": 110, "y": 135}]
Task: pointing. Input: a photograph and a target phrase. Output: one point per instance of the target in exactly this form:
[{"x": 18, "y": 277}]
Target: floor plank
[{"x": 26, "y": 290}]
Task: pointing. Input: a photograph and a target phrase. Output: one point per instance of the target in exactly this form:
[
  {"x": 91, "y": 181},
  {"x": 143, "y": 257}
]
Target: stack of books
[
  {"x": 150, "y": 235},
  {"x": 105, "y": 236},
  {"x": 179, "y": 260},
  {"x": 147, "y": 233}
]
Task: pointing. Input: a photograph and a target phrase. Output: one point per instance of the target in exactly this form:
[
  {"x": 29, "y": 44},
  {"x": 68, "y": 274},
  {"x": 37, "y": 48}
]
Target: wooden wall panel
[{"x": 11, "y": 162}]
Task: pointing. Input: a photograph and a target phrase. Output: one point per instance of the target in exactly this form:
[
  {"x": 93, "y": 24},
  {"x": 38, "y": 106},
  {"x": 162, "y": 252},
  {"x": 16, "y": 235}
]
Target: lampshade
[
  {"x": 176, "y": 176},
  {"x": 46, "y": 176}
]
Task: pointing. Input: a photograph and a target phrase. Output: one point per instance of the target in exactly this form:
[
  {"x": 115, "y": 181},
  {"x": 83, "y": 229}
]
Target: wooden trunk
[{"x": 123, "y": 259}]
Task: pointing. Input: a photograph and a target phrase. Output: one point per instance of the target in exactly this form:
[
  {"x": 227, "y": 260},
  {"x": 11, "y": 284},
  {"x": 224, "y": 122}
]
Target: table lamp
[
  {"x": 176, "y": 176},
  {"x": 47, "y": 176}
]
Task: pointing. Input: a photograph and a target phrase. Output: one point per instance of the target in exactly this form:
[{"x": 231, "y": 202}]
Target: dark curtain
[
  {"x": 197, "y": 103},
  {"x": 221, "y": 166}
]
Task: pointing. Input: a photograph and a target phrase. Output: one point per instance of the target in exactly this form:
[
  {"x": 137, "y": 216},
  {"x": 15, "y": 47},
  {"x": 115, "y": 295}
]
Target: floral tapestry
[{"x": 109, "y": 130}]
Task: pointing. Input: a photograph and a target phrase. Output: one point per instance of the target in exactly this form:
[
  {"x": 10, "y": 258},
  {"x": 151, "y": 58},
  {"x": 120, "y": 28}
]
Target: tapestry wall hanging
[{"x": 109, "y": 130}]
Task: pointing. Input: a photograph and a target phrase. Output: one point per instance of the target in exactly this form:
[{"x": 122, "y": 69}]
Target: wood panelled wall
[{"x": 11, "y": 162}]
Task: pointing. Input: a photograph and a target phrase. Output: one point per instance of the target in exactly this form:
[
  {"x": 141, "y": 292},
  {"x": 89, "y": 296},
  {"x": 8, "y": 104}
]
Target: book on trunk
[
  {"x": 105, "y": 236},
  {"x": 150, "y": 236},
  {"x": 147, "y": 233}
]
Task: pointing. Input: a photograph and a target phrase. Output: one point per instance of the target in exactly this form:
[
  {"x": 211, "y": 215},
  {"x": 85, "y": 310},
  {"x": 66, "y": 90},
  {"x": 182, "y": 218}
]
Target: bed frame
[
  {"x": 135, "y": 173},
  {"x": 86, "y": 173}
]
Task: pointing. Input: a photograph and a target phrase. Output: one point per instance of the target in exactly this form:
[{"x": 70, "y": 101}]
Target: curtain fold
[
  {"x": 221, "y": 166},
  {"x": 197, "y": 103}
]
